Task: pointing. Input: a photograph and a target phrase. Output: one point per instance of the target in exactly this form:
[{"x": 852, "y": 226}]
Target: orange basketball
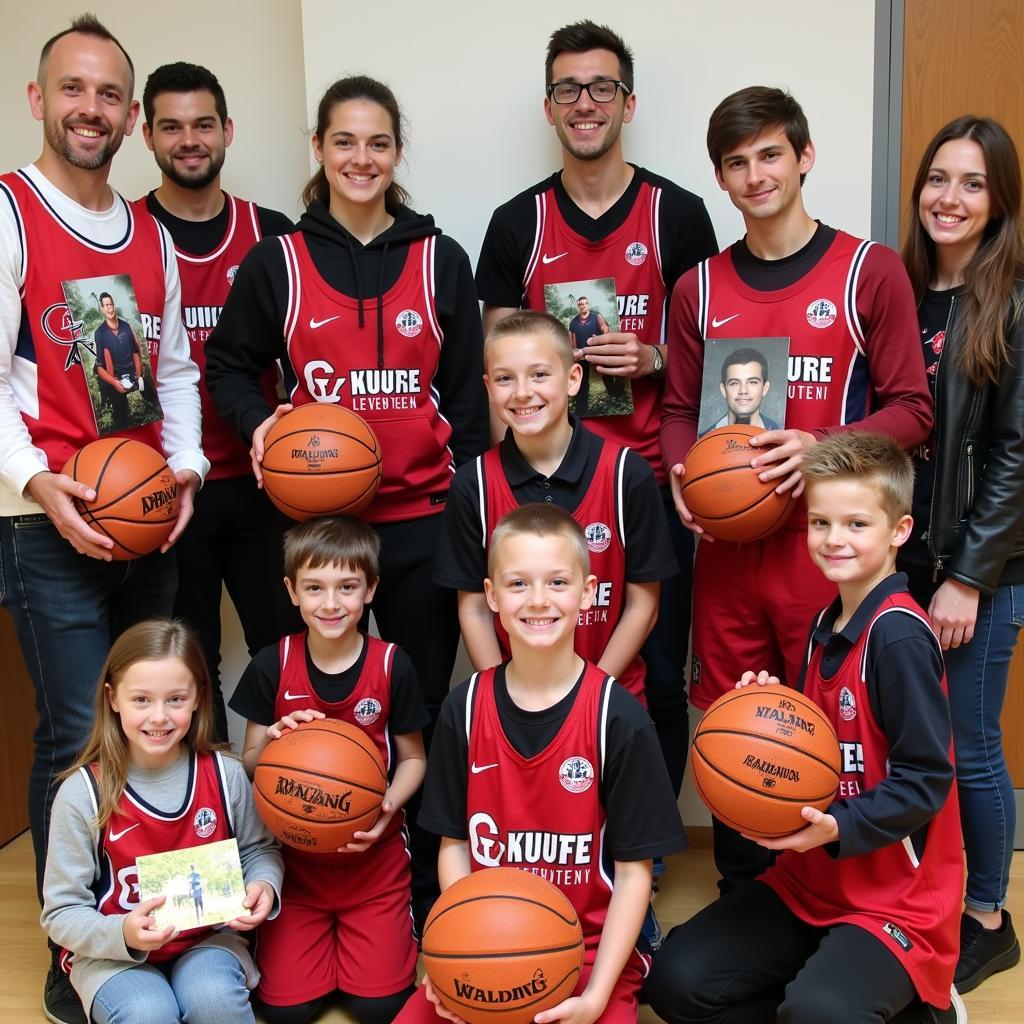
[
  {"x": 136, "y": 494},
  {"x": 502, "y": 944},
  {"x": 319, "y": 784},
  {"x": 762, "y": 753},
  {"x": 724, "y": 494},
  {"x": 319, "y": 460}
]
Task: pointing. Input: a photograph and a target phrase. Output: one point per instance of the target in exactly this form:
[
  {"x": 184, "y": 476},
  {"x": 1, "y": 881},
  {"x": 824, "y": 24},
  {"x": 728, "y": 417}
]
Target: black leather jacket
[{"x": 977, "y": 510}]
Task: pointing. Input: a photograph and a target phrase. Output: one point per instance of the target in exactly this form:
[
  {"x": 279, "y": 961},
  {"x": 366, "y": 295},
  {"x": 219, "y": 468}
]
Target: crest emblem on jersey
[
  {"x": 409, "y": 323},
  {"x": 576, "y": 774},
  {"x": 598, "y": 537},
  {"x": 59, "y": 325},
  {"x": 822, "y": 313},
  {"x": 232, "y": 271},
  {"x": 636, "y": 254},
  {"x": 205, "y": 822},
  {"x": 367, "y": 711},
  {"x": 847, "y": 704}
]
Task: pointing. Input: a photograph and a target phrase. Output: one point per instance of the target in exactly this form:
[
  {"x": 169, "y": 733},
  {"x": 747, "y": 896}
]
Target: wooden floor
[{"x": 688, "y": 884}]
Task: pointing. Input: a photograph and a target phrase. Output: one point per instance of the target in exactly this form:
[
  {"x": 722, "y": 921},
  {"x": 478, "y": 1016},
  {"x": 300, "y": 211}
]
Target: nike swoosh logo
[
  {"x": 114, "y": 836},
  {"x": 476, "y": 769},
  {"x": 551, "y": 259},
  {"x": 294, "y": 696},
  {"x": 314, "y": 323},
  {"x": 718, "y": 323}
]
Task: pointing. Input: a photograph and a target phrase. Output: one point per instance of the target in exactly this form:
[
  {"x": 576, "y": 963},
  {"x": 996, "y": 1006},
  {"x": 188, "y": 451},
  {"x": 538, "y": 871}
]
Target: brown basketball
[
  {"x": 724, "y": 494},
  {"x": 502, "y": 944},
  {"x": 319, "y": 460},
  {"x": 136, "y": 494},
  {"x": 319, "y": 784},
  {"x": 762, "y": 753}
]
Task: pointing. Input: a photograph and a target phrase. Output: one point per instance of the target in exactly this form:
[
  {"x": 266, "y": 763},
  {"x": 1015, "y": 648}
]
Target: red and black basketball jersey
[
  {"x": 54, "y": 399},
  {"x": 138, "y": 828},
  {"x": 205, "y": 283},
  {"x": 600, "y": 516},
  {"x": 386, "y": 379},
  {"x": 632, "y": 256},
  {"x": 368, "y": 706},
  {"x": 906, "y": 895},
  {"x": 543, "y": 814}
]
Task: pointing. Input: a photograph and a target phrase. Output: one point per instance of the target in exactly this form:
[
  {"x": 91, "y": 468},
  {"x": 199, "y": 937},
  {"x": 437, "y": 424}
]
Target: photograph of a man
[
  {"x": 745, "y": 386},
  {"x": 118, "y": 360},
  {"x": 195, "y": 884},
  {"x": 586, "y": 324}
]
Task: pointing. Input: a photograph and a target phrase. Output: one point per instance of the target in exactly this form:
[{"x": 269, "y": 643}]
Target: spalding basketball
[
  {"x": 760, "y": 754},
  {"x": 136, "y": 501},
  {"x": 724, "y": 494},
  {"x": 319, "y": 460},
  {"x": 319, "y": 784},
  {"x": 502, "y": 944}
]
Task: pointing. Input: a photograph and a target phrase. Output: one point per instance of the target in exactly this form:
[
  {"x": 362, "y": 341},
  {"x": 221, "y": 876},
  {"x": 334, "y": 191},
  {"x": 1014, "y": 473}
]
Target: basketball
[
  {"x": 319, "y": 784},
  {"x": 321, "y": 460},
  {"x": 725, "y": 496},
  {"x": 762, "y": 753},
  {"x": 502, "y": 944},
  {"x": 136, "y": 494}
]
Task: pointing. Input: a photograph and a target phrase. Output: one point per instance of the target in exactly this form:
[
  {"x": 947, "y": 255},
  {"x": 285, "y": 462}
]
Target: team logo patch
[
  {"x": 847, "y": 704},
  {"x": 59, "y": 325},
  {"x": 205, "y": 822},
  {"x": 232, "y": 271},
  {"x": 694, "y": 670},
  {"x": 636, "y": 254},
  {"x": 576, "y": 774},
  {"x": 821, "y": 313},
  {"x": 598, "y": 537},
  {"x": 898, "y": 935},
  {"x": 409, "y": 323},
  {"x": 367, "y": 711}
]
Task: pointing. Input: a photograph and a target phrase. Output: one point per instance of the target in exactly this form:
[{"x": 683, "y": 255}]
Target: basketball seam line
[
  {"x": 504, "y": 896},
  {"x": 760, "y": 792},
  {"x": 475, "y": 955}
]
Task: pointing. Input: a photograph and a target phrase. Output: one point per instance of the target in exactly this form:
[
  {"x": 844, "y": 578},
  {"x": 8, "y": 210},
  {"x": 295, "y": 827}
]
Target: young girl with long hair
[
  {"x": 150, "y": 781},
  {"x": 965, "y": 255}
]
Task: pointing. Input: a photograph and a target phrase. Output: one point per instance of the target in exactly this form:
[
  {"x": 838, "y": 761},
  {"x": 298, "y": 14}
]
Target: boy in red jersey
[
  {"x": 848, "y": 310},
  {"x": 345, "y": 922},
  {"x": 547, "y": 743},
  {"x": 858, "y": 919},
  {"x": 551, "y": 457}
]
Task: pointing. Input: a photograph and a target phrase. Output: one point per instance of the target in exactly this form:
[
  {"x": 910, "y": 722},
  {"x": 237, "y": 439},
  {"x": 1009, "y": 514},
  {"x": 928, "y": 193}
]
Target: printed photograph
[
  {"x": 203, "y": 884},
  {"x": 744, "y": 382},
  {"x": 113, "y": 351},
  {"x": 588, "y": 309}
]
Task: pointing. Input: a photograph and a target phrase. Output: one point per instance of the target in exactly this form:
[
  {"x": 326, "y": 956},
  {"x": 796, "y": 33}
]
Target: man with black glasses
[{"x": 602, "y": 217}]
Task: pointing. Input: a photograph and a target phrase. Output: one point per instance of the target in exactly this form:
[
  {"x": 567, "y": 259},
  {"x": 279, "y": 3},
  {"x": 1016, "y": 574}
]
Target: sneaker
[
  {"x": 60, "y": 1001},
  {"x": 955, "y": 1014},
  {"x": 651, "y": 930},
  {"x": 984, "y": 951}
]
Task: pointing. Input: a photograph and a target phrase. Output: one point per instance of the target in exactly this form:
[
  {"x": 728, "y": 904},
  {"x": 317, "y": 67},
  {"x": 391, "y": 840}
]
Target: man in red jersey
[
  {"x": 854, "y": 361},
  {"x": 61, "y": 222},
  {"x": 188, "y": 130},
  {"x": 597, "y": 217}
]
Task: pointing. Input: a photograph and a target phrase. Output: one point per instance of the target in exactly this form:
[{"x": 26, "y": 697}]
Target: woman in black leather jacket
[{"x": 965, "y": 256}]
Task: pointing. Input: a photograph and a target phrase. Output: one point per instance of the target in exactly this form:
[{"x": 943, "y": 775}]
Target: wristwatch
[{"x": 659, "y": 361}]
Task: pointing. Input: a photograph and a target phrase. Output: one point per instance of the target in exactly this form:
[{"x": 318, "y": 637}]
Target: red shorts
[
  {"x": 753, "y": 606},
  {"x": 622, "y": 1006},
  {"x": 343, "y": 926}
]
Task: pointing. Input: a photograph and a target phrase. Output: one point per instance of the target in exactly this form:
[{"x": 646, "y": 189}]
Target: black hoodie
[{"x": 250, "y": 333}]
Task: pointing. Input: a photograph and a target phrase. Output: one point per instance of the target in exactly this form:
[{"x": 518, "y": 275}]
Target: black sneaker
[
  {"x": 984, "y": 951},
  {"x": 956, "y": 1014},
  {"x": 60, "y": 1001}
]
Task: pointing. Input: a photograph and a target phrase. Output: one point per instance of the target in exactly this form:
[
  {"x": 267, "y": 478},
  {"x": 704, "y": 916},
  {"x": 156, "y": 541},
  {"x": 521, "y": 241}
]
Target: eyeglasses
[{"x": 604, "y": 90}]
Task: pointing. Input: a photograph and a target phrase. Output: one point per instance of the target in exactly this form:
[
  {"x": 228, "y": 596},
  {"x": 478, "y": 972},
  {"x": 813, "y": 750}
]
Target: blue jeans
[
  {"x": 67, "y": 610},
  {"x": 976, "y": 674},
  {"x": 203, "y": 986}
]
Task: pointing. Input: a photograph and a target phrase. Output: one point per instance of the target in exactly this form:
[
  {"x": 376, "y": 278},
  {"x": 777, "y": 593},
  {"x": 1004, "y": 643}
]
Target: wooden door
[
  {"x": 16, "y": 725},
  {"x": 965, "y": 56}
]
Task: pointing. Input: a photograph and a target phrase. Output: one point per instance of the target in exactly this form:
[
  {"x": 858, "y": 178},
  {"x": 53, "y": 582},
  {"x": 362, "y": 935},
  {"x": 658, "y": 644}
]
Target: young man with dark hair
[
  {"x": 854, "y": 361},
  {"x": 744, "y": 385},
  {"x": 600, "y": 216},
  {"x": 60, "y": 221},
  {"x": 188, "y": 130}
]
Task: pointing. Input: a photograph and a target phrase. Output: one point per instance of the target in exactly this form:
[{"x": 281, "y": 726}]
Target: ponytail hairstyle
[
  {"x": 356, "y": 87},
  {"x": 997, "y": 262},
  {"x": 107, "y": 746}
]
